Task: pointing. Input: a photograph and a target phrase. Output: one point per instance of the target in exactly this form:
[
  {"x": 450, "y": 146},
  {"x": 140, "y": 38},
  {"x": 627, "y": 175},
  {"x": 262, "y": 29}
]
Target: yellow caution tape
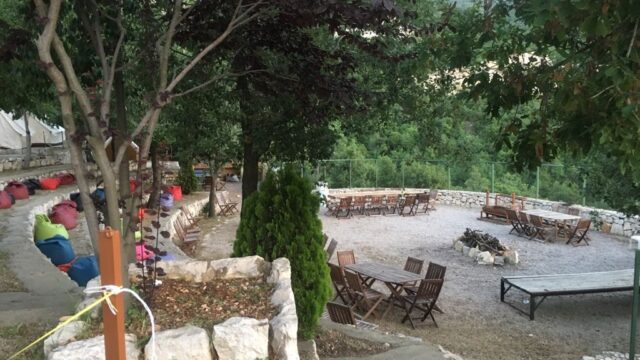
[{"x": 64, "y": 323}]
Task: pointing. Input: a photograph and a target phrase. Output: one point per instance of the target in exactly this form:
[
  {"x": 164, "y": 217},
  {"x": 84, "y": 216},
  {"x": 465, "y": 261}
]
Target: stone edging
[{"x": 620, "y": 223}]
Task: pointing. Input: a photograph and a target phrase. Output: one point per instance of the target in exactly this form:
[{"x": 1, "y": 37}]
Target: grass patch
[
  {"x": 14, "y": 338},
  {"x": 8, "y": 280}
]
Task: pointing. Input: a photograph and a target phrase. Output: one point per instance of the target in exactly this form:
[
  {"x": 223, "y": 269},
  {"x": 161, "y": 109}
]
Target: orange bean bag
[{"x": 51, "y": 183}]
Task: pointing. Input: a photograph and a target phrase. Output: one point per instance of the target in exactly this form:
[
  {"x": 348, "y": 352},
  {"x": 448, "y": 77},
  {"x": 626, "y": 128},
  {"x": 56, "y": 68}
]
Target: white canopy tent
[
  {"x": 41, "y": 133},
  {"x": 12, "y": 136}
]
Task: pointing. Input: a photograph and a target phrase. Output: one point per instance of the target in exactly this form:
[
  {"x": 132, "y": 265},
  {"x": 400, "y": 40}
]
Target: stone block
[
  {"x": 241, "y": 338},
  {"x": 234, "y": 268},
  {"x": 92, "y": 349},
  {"x": 465, "y": 250},
  {"x": 458, "y": 245},
  {"x": 498, "y": 261},
  {"x": 185, "y": 343},
  {"x": 511, "y": 257},
  {"x": 280, "y": 270},
  {"x": 485, "y": 258},
  {"x": 473, "y": 252},
  {"x": 67, "y": 334}
]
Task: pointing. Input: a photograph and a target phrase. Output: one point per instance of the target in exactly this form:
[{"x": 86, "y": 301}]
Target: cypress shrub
[
  {"x": 281, "y": 220},
  {"x": 187, "y": 177}
]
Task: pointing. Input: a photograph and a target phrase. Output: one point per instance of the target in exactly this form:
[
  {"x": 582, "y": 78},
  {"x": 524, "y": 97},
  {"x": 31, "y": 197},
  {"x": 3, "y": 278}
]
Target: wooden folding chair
[
  {"x": 326, "y": 240},
  {"x": 375, "y": 205},
  {"x": 512, "y": 218},
  {"x": 233, "y": 205},
  {"x": 346, "y": 257},
  {"x": 186, "y": 228},
  {"x": 579, "y": 232},
  {"x": 423, "y": 199},
  {"x": 339, "y": 283},
  {"x": 410, "y": 201},
  {"x": 343, "y": 314},
  {"x": 365, "y": 298},
  {"x": 424, "y": 300},
  {"x": 192, "y": 219},
  {"x": 344, "y": 207},
  {"x": 220, "y": 185},
  {"x": 391, "y": 204},
  {"x": 527, "y": 227},
  {"x": 184, "y": 237},
  {"x": 540, "y": 230},
  {"x": 434, "y": 272},
  {"x": 358, "y": 204},
  {"x": 224, "y": 207},
  {"x": 333, "y": 244}
]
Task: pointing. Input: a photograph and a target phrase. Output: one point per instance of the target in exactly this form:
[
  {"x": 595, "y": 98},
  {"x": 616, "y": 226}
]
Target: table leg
[{"x": 396, "y": 293}]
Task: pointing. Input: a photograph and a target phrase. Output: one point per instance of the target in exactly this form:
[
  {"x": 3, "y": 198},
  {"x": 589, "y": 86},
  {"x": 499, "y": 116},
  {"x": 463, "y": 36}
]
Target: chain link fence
[{"x": 549, "y": 181}]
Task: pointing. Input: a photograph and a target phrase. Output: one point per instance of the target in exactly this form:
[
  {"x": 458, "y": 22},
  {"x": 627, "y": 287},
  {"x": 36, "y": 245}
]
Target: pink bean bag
[
  {"x": 66, "y": 216},
  {"x": 19, "y": 190}
]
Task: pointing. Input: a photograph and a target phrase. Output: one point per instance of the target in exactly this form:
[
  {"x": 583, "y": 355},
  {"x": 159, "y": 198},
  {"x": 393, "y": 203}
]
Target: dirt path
[{"x": 476, "y": 324}]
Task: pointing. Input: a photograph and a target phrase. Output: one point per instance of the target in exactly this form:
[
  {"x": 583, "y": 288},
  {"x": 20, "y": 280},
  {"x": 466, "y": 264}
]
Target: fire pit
[{"x": 485, "y": 248}]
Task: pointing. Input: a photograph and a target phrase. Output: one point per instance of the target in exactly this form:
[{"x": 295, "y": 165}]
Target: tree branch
[
  {"x": 633, "y": 38},
  {"x": 215, "y": 78}
]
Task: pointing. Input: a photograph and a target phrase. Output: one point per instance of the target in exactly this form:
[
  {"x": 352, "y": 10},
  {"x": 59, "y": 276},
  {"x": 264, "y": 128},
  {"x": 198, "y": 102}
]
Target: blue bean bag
[
  {"x": 166, "y": 200},
  {"x": 57, "y": 249},
  {"x": 84, "y": 269}
]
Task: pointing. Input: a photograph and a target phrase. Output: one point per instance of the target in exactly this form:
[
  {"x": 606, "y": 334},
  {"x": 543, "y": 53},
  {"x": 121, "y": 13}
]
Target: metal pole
[
  {"x": 402, "y": 167},
  {"x": 375, "y": 163},
  {"x": 449, "y": 176},
  {"x": 538, "y": 182},
  {"x": 634, "y": 310},
  {"x": 349, "y": 173},
  {"x": 584, "y": 191},
  {"x": 111, "y": 272},
  {"x": 493, "y": 175}
]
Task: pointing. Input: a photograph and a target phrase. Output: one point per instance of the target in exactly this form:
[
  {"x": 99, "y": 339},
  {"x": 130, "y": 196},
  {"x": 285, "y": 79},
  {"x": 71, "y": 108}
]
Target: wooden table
[
  {"x": 565, "y": 284},
  {"x": 394, "y": 278},
  {"x": 551, "y": 215}
]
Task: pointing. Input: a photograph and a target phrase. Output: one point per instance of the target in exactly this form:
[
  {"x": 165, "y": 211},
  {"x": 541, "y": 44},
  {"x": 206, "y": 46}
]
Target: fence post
[
  {"x": 449, "y": 176},
  {"x": 538, "y": 182},
  {"x": 634, "y": 310},
  {"x": 375, "y": 164},
  {"x": 584, "y": 191},
  {"x": 350, "y": 174},
  {"x": 111, "y": 274},
  {"x": 493, "y": 175},
  {"x": 402, "y": 168}
]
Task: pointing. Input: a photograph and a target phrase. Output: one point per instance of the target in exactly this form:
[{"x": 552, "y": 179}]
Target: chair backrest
[
  {"x": 409, "y": 200},
  {"x": 340, "y": 313},
  {"x": 523, "y": 218},
  {"x": 346, "y": 257},
  {"x": 353, "y": 281},
  {"x": 220, "y": 199},
  {"x": 376, "y": 200},
  {"x": 536, "y": 220},
  {"x": 413, "y": 265},
  {"x": 359, "y": 200},
  {"x": 429, "y": 289},
  {"x": 345, "y": 202},
  {"x": 325, "y": 241},
  {"x": 512, "y": 215},
  {"x": 392, "y": 199},
  {"x": 423, "y": 198},
  {"x": 560, "y": 208},
  {"x": 333, "y": 244},
  {"x": 337, "y": 276},
  {"x": 225, "y": 196},
  {"x": 574, "y": 211},
  {"x": 435, "y": 271}
]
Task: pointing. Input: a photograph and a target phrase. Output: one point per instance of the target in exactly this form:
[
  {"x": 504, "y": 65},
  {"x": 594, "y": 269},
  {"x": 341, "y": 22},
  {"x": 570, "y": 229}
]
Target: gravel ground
[{"x": 476, "y": 324}]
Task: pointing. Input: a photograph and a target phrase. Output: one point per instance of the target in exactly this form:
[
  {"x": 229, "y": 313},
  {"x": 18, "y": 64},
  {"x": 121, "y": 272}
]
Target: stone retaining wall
[
  {"x": 12, "y": 159},
  {"x": 236, "y": 338},
  {"x": 21, "y": 178},
  {"x": 620, "y": 223}
]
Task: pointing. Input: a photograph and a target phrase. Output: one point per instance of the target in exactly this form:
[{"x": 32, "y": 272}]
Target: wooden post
[
  {"x": 111, "y": 274},
  {"x": 486, "y": 199},
  {"x": 513, "y": 201}
]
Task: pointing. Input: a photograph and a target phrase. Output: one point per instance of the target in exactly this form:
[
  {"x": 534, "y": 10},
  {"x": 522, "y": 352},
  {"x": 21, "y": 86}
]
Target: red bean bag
[
  {"x": 65, "y": 216},
  {"x": 176, "y": 191},
  {"x": 49, "y": 183},
  {"x": 19, "y": 190},
  {"x": 66, "y": 179},
  {"x": 132, "y": 186},
  {"x": 5, "y": 200},
  {"x": 66, "y": 205}
]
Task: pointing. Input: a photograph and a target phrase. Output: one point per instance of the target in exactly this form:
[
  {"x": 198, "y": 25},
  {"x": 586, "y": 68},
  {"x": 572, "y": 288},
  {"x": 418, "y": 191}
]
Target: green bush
[
  {"x": 187, "y": 177},
  {"x": 281, "y": 220}
]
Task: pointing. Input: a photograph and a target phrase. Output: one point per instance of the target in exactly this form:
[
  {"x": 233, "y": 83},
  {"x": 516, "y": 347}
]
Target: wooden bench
[
  {"x": 541, "y": 286},
  {"x": 501, "y": 202}
]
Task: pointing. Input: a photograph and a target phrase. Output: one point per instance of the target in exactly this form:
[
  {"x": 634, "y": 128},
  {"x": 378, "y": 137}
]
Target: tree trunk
[
  {"x": 250, "y": 171},
  {"x": 122, "y": 125},
  {"x": 26, "y": 161},
  {"x": 213, "y": 172},
  {"x": 156, "y": 169}
]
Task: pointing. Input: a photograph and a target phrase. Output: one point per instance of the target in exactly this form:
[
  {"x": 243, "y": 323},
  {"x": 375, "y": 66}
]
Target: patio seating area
[
  {"x": 381, "y": 203},
  {"x": 474, "y": 315}
]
